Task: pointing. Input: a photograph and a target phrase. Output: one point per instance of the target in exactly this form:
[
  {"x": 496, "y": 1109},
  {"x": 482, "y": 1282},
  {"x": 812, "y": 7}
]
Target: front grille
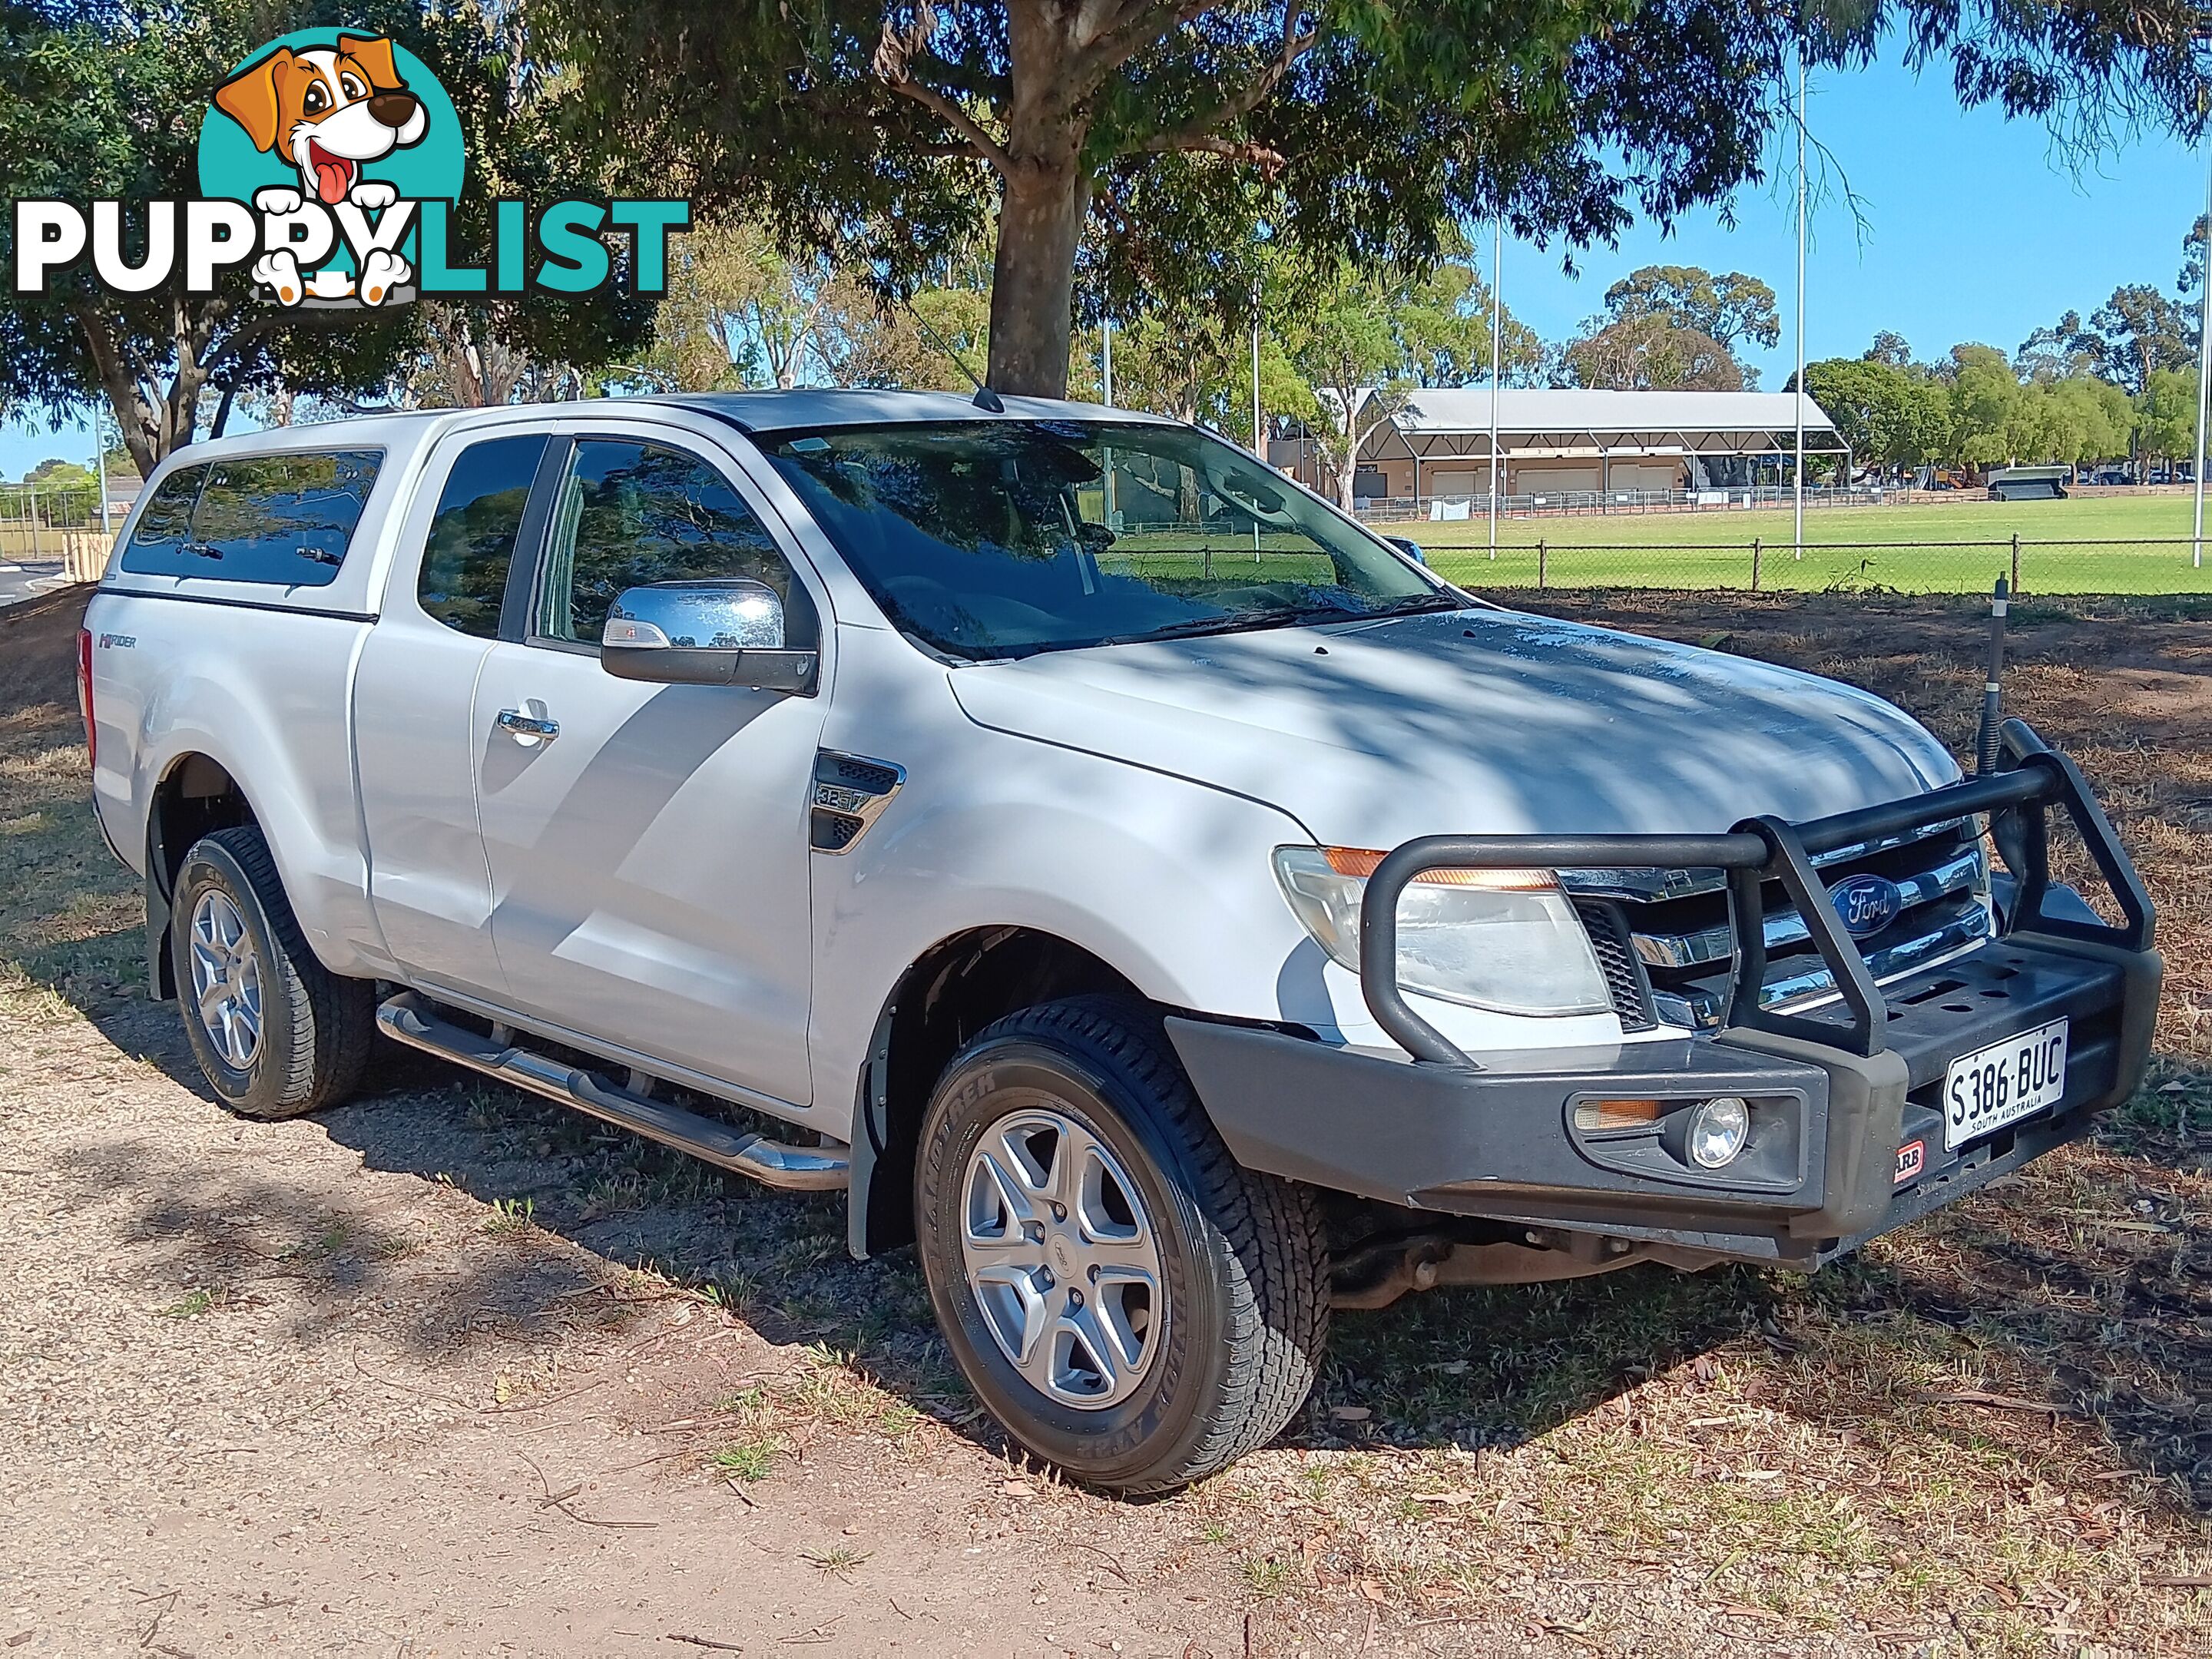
[{"x": 1678, "y": 922}]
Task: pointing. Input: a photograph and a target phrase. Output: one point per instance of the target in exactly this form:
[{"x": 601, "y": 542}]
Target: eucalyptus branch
[
  {"x": 894, "y": 67},
  {"x": 1185, "y": 142},
  {"x": 1135, "y": 27},
  {"x": 1197, "y": 134}
]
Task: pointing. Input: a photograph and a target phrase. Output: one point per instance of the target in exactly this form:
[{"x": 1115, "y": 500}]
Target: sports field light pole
[
  {"x": 1798, "y": 550},
  {"x": 100, "y": 466},
  {"x": 1497, "y": 367},
  {"x": 1106, "y": 391},
  {"x": 1259, "y": 420},
  {"x": 1259, "y": 438},
  {"x": 2203, "y": 381}
]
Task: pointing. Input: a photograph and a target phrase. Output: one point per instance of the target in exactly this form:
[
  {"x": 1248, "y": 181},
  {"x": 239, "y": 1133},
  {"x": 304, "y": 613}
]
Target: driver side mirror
[
  {"x": 728, "y": 632},
  {"x": 1409, "y": 548}
]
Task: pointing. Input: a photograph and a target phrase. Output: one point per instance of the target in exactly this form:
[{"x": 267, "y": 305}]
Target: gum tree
[
  {"x": 1724, "y": 309},
  {"x": 1128, "y": 143}
]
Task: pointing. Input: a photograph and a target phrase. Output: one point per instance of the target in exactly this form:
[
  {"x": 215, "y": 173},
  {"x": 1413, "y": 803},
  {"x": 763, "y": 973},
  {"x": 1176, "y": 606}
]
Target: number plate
[{"x": 2003, "y": 1083}]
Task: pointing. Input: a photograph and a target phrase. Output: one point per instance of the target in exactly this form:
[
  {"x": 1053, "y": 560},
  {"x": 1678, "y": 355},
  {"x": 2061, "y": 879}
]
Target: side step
[{"x": 407, "y": 1019}]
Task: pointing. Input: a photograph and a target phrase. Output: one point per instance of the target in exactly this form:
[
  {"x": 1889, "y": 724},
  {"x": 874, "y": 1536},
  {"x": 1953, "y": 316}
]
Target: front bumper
[{"x": 1836, "y": 1095}]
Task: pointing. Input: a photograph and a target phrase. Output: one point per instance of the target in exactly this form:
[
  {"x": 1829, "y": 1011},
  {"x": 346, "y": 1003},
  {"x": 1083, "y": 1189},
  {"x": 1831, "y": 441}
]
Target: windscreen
[{"x": 1001, "y": 539}]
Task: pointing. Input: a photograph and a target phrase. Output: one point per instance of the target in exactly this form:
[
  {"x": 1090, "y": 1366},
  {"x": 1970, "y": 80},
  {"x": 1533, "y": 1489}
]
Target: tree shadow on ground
[
  {"x": 2103, "y": 1333},
  {"x": 2101, "y": 1351}
]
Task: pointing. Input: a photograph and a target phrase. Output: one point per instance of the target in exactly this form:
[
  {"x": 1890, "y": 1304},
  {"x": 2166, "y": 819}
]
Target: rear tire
[
  {"x": 1133, "y": 1304},
  {"x": 275, "y": 1032}
]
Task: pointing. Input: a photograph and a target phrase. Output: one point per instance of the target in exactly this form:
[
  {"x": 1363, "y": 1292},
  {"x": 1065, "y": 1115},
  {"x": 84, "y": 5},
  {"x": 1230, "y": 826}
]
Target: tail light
[{"x": 84, "y": 694}]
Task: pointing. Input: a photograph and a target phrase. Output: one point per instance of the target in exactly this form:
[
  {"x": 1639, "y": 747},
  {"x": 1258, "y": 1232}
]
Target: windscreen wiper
[
  {"x": 1194, "y": 626},
  {"x": 1417, "y": 604},
  {"x": 1303, "y": 615}
]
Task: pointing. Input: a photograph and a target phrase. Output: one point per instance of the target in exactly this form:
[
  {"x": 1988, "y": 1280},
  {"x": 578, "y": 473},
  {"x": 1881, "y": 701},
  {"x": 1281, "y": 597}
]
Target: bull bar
[{"x": 2031, "y": 778}]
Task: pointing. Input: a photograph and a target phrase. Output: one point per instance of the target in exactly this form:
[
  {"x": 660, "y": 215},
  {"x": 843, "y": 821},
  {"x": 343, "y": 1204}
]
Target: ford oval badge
[{"x": 1866, "y": 903}]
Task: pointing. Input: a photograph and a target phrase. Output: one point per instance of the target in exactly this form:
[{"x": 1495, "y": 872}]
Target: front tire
[
  {"x": 275, "y": 1032},
  {"x": 1133, "y": 1304}
]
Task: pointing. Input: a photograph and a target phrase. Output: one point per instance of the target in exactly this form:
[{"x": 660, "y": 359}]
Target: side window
[
  {"x": 166, "y": 523},
  {"x": 283, "y": 520},
  {"x": 630, "y": 515},
  {"x": 472, "y": 536}
]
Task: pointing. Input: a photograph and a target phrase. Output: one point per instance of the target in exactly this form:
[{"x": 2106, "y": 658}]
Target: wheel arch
[
  {"x": 952, "y": 990},
  {"x": 197, "y": 794}
]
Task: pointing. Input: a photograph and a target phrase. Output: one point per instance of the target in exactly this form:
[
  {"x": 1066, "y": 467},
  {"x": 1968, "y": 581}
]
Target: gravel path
[{"x": 254, "y": 1383}]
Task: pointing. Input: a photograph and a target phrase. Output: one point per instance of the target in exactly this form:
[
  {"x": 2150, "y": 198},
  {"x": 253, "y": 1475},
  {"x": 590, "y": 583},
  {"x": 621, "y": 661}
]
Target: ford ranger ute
[{"x": 1165, "y": 904}]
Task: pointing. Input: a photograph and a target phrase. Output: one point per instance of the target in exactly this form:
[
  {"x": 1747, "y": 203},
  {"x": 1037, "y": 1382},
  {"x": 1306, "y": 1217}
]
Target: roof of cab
[
  {"x": 775, "y": 411},
  {"x": 750, "y": 411}
]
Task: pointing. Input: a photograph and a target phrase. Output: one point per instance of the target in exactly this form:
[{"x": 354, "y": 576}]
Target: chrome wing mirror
[{"x": 728, "y": 632}]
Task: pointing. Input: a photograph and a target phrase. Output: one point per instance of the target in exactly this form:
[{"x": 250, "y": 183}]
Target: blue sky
[{"x": 1974, "y": 229}]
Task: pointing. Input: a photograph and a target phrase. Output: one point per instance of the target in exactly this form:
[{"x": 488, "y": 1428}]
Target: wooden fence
[{"x": 84, "y": 553}]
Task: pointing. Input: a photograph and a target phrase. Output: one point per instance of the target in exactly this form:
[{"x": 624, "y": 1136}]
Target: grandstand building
[{"x": 1573, "y": 445}]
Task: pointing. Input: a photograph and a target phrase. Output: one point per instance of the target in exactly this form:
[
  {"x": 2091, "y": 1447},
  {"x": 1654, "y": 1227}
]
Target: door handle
[{"x": 527, "y": 728}]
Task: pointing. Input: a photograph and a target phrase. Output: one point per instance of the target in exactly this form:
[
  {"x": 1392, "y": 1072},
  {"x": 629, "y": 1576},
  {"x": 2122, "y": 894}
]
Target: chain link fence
[
  {"x": 1605, "y": 503},
  {"x": 2172, "y": 565}
]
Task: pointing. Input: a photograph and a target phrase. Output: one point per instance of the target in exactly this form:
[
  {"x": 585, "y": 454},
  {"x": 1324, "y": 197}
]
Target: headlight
[{"x": 1506, "y": 940}]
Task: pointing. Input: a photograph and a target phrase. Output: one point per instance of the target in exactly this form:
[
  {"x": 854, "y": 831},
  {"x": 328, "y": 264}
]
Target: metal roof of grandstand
[{"x": 1578, "y": 409}]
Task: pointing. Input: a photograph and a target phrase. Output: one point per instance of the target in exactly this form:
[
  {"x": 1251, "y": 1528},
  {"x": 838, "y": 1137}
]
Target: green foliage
[
  {"x": 2167, "y": 414},
  {"x": 741, "y": 312},
  {"x": 54, "y": 474},
  {"x": 1984, "y": 399},
  {"x": 107, "y": 101},
  {"x": 1348, "y": 129},
  {"x": 1673, "y": 328},
  {"x": 107, "y": 104},
  {"x": 1891, "y": 347},
  {"x": 1996, "y": 418},
  {"x": 1351, "y": 360},
  {"x": 1442, "y": 321},
  {"x": 1724, "y": 309},
  {"x": 2077, "y": 419},
  {"x": 1887, "y": 414},
  {"x": 1652, "y": 352},
  {"x": 2137, "y": 332}
]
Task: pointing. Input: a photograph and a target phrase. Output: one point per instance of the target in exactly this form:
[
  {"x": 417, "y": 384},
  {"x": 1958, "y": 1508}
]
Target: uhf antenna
[{"x": 986, "y": 399}]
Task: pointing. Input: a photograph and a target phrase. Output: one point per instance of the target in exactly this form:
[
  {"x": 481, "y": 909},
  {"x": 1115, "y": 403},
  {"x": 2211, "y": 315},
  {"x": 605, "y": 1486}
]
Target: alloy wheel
[
  {"x": 1063, "y": 1258},
  {"x": 226, "y": 979}
]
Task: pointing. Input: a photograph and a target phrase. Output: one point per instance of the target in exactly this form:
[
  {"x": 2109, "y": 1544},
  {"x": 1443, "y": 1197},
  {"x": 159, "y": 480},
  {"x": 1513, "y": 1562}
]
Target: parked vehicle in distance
[{"x": 1159, "y": 900}]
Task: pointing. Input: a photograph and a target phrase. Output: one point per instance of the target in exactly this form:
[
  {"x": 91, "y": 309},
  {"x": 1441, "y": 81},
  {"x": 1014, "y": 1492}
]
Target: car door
[
  {"x": 414, "y": 702},
  {"x": 646, "y": 843}
]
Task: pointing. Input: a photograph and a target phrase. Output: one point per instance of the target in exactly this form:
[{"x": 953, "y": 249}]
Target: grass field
[{"x": 1892, "y": 547}]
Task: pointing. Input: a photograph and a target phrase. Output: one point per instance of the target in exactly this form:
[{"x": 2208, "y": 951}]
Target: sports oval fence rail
[{"x": 2169, "y": 565}]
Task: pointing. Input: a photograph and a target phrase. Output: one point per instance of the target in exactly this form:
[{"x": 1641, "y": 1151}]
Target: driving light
[
  {"x": 1718, "y": 1129},
  {"x": 1506, "y": 940}
]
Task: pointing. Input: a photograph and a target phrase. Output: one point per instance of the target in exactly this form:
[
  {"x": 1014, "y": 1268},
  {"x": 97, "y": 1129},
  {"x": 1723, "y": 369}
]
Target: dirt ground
[{"x": 450, "y": 1371}]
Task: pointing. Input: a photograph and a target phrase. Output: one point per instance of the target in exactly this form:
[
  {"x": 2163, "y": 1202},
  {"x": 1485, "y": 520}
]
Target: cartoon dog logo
[{"x": 327, "y": 109}]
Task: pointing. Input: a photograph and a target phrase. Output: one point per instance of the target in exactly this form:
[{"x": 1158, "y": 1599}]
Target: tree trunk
[{"x": 1042, "y": 210}]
